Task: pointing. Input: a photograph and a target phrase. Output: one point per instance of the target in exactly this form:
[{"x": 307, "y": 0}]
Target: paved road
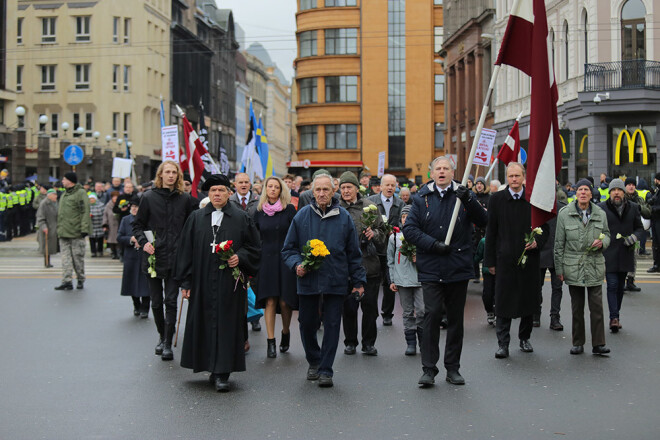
[{"x": 77, "y": 364}]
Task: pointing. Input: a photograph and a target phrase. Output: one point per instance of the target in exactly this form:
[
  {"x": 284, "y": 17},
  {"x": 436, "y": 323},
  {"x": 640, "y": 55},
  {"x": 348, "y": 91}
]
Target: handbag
[{"x": 253, "y": 314}]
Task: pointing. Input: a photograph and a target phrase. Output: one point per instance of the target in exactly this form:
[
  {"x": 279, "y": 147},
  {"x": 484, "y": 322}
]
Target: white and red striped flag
[
  {"x": 194, "y": 149},
  {"x": 510, "y": 150},
  {"x": 525, "y": 47}
]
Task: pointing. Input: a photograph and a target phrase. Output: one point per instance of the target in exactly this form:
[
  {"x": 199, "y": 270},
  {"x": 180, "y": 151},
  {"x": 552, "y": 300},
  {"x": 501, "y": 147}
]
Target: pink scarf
[{"x": 270, "y": 210}]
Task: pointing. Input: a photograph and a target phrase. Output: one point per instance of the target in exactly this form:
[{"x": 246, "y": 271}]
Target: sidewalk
[{"x": 23, "y": 246}]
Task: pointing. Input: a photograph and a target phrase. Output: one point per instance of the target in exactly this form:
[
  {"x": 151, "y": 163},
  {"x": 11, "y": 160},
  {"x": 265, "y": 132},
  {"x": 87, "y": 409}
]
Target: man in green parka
[{"x": 73, "y": 225}]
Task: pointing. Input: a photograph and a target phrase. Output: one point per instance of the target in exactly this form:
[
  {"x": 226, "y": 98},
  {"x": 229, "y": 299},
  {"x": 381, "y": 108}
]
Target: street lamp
[
  {"x": 20, "y": 111},
  {"x": 65, "y": 127},
  {"x": 96, "y": 135},
  {"x": 80, "y": 130}
]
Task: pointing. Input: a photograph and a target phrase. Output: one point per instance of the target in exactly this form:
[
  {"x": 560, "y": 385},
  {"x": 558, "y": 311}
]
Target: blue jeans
[
  {"x": 615, "y": 284},
  {"x": 310, "y": 321}
]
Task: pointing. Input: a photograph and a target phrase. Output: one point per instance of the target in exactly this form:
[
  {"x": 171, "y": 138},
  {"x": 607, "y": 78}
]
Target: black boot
[
  {"x": 411, "y": 340},
  {"x": 284, "y": 342},
  {"x": 630, "y": 285},
  {"x": 168, "y": 354},
  {"x": 136, "y": 305},
  {"x": 420, "y": 333},
  {"x": 159, "y": 320},
  {"x": 65, "y": 286},
  {"x": 272, "y": 351}
]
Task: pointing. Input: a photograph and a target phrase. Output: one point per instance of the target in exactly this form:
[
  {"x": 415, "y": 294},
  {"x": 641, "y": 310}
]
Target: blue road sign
[
  {"x": 523, "y": 156},
  {"x": 73, "y": 154}
]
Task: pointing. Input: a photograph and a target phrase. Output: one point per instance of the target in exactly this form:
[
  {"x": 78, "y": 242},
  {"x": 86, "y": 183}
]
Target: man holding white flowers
[
  {"x": 512, "y": 253},
  {"x": 625, "y": 225},
  {"x": 582, "y": 235}
]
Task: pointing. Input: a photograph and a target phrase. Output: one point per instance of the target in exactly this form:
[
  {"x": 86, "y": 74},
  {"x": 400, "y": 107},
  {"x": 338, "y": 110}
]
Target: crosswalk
[{"x": 33, "y": 267}]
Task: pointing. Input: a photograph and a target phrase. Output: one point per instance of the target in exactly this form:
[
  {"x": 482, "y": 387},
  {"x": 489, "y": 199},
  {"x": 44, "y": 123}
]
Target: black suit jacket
[{"x": 395, "y": 211}]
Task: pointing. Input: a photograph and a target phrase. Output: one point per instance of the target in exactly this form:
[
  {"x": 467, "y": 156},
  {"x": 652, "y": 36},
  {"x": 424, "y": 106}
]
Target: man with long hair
[{"x": 163, "y": 211}]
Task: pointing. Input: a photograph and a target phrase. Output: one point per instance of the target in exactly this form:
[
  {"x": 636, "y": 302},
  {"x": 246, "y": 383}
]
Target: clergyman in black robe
[{"x": 214, "y": 335}]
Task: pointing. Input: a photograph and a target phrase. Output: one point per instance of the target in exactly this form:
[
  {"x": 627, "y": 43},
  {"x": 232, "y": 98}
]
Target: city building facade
[
  {"x": 605, "y": 56},
  {"x": 8, "y": 119},
  {"x": 367, "y": 85},
  {"x": 96, "y": 71}
]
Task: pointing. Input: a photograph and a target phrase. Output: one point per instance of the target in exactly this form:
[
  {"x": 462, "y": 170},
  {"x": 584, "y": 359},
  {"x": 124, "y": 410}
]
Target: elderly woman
[
  {"x": 276, "y": 284},
  {"x": 111, "y": 224},
  {"x": 134, "y": 282},
  {"x": 96, "y": 209},
  {"x": 581, "y": 237},
  {"x": 47, "y": 225}
]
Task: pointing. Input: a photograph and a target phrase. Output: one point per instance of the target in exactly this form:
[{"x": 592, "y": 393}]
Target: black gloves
[
  {"x": 463, "y": 194},
  {"x": 440, "y": 248}
]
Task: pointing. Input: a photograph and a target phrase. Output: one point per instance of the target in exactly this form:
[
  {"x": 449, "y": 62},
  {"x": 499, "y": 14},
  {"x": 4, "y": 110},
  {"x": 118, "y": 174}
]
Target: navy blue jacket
[
  {"x": 428, "y": 222},
  {"x": 336, "y": 229}
]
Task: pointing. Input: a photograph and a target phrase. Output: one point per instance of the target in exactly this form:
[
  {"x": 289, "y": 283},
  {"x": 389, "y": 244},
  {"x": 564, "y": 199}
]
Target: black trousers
[
  {"x": 310, "y": 321},
  {"x": 369, "y": 305},
  {"x": 655, "y": 231},
  {"x": 488, "y": 293},
  {"x": 437, "y": 298},
  {"x": 555, "y": 299},
  {"x": 141, "y": 303},
  {"x": 503, "y": 327},
  {"x": 164, "y": 291},
  {"x": 387, "y": 305},
  {"x": 96, "y": 245}
]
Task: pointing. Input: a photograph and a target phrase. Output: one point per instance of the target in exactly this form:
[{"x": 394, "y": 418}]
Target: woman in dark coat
[
  {"x": 47, "y": 225},
  {"x": 134, "y": 282},
  {"x": 276, "y": 283}
]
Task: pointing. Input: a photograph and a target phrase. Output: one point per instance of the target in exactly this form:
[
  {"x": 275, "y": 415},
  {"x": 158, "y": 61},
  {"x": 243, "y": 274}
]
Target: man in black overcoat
[
  {"x": 516, "y": 285},
  {"x": 214, "y": 338}
]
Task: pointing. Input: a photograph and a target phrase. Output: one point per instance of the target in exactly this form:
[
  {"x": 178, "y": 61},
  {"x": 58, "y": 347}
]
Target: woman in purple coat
[{"x": 276, "y": 287}]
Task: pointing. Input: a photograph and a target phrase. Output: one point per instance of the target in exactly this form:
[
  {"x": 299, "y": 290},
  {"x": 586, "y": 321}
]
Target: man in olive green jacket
[
  {"x": 582, "y": 235},
  {"x": 73, "y": 225}
]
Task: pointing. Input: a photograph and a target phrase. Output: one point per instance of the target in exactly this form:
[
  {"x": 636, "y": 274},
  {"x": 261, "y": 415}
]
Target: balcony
[{"x": 622, "y": 75}]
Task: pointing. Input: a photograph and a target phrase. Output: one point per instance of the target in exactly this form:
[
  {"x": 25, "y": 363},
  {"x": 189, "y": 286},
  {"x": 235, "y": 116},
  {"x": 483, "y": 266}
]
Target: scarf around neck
[{"x": 270, "y": 210}]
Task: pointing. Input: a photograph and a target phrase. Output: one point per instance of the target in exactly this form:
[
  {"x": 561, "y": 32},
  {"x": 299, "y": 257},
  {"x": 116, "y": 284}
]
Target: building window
[
  {"x": 19, "y": 78},
  {"x": 54, "y": 125},
  {"x": 308, "y": 137},
  {"x": 115, "y": 125},
  {"x": 82, "y": 29},
  {"x": 438, "y": 34},
  {"x": 341, "y": 89},
  {"x": 308, "y": 44},
  {"x": 42, "y": 127},
  {"x": 340, "y": 41},
  {"x": 20, "y": 120},
  {"x": 341, "y": 137},
  {"x": 127, "y": 78},
  {"x": 48, "y": 30},
  {"x": 339, "y": 3},
  {"x": 307, "y": 90},
  {"x": 396, "y": 83},
  {"x": 566, "y": 60},
  {"x": 585, "y": 36},
  {"x": 177, "y": 14},
  {"x": 89, "y": 124},
  {"x": 76, "y": 124},
  {"x": 127, "y": 125},
  {"x": 115, "y": 77},
  {"x": 19, "y": 31},
  {"x": 82, "y": 76},
  {"x": 439, "y": 87},
  {"x": 437, "y": 2},
  {"x": 307, "y": 4},
  {"x": 48, "y": 77},
  {"x": 633, "y": 30},
  {"x": 439, "y": 143},
  {"x": 115, "y": 29},
  {"x": 127, "y": 30}
]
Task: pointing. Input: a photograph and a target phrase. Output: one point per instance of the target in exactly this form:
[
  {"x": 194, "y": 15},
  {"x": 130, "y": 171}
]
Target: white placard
[
  {"x": 121, "y": 167},
  {"x": 150, "y": 236},
  {"x": 170, "y": 143},
  {"x": 381, "y": 164},
  {"x": 485, "y": 147}
]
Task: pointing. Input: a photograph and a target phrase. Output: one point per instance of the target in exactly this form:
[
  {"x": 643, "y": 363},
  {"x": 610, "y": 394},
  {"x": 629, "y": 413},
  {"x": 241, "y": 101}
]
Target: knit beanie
[
  {"x": 630, "y": 180},
  {"x": 320, "y": 171},
  {"x": 405, "y": 210},
  {"x": 349, "y": 177},
  {"x": 617, "y": 183},
  {"x": 583, "y": 182},
  {"x": 71, "y": 176}
]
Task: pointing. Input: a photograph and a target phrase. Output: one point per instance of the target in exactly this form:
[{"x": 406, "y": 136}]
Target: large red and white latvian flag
[
  {"x": 194, "y": 149},
  {"x": 525, "y": 47},
  {"x": 510, "y": 150}
]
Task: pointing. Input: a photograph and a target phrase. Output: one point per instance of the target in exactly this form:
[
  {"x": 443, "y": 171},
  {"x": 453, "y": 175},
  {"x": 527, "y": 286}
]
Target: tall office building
[{"x": 369, "y": 81}]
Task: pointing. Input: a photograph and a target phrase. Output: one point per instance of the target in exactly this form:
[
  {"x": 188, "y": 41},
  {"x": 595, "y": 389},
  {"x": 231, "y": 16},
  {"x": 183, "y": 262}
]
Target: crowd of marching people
[{"x": 327, "y": 247}]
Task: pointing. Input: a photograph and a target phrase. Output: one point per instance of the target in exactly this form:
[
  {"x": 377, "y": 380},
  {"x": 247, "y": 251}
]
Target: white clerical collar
[{"x": 216, "y": 217}]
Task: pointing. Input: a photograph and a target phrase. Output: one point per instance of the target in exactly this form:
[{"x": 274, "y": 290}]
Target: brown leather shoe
[{"x": 614, "y": 325}]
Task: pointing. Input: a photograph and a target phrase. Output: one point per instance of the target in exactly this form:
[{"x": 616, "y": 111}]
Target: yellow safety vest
[
  {"x": 643, "y": 193},
  {"x": 604, "y": 194},
  {"x": 3, "y": 202},
  {"x": 21, "y": 197},
  {"x": 28, "y": 195}
]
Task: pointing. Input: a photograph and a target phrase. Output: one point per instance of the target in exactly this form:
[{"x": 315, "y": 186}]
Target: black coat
[
  {"x": 548, "y": 250},
  {"x": 619, "y": 257},
  {"x": 275, "y": 279},
  {"x": 214, "y": 338},
  {"x": 428, "y": 222},
  {"x": 163, "y": 212},
  {"x": 516, "y": 288},
  {"x": 134, "y": 282}
]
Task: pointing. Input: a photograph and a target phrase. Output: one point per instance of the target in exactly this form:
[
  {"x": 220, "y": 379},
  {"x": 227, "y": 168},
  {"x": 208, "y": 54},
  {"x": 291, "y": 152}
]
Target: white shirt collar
[
  {"x": 514, "y": 193},
  {"x": 384, "y": 198}
]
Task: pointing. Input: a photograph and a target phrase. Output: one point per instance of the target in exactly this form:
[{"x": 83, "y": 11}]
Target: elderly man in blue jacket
[
  {"x": 324, "y": 220},
  {"x": 444, "y": 270}
]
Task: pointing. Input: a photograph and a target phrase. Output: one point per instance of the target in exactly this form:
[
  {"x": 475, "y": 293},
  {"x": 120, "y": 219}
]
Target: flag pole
[
  {"x": 475, "y": 142},
  {"x": 182, "y": 114},
  {"x": 492, "y": 167}
]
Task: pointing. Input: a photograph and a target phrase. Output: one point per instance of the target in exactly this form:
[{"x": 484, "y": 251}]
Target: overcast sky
[{"x": 271, "y": 23}]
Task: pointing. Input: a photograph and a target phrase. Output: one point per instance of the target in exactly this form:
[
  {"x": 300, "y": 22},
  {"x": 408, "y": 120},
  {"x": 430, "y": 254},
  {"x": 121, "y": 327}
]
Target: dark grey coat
[
  {"x": 619, "y": 257},
  {"x": 47, "y": 218}
]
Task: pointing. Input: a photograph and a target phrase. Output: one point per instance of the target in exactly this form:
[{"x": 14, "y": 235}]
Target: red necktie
[{"x": 243, "y": 204}]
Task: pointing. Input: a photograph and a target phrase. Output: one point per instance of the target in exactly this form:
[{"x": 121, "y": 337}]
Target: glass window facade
[
  {"x": 307, "y": 4},
  {"x": 82, "y": 29},
  {"x": 341, "y": 137},
  {"x": 439, "y": 87},
  {"x": 341, "y": 89},
  {"x": 340, "y": 41},
  {"x": 307, "y": 90},
  {"x": 396, "y": 78},
  {"x": 308, "y": 44},
  {"x": 339, "y": 3},
  {"x": 309, "y": 137}
]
